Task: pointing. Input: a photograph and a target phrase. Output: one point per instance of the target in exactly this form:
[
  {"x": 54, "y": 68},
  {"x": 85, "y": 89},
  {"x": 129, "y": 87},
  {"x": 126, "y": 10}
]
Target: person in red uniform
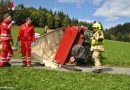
[
  {"x": 6, "y": 39},
  {"x": 26, "y": 37}
]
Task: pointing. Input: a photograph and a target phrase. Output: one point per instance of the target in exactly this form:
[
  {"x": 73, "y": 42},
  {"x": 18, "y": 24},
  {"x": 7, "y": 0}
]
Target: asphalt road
[{"x": 84, "y": 68}]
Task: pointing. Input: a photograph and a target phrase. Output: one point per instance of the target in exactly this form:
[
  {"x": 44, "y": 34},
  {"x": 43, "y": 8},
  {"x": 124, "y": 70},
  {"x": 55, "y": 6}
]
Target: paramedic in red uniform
[
  {"x": 6, "y": 39},
  {"x": 26, "y": 37}
]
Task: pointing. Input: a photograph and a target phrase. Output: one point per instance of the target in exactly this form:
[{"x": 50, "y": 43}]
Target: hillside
[
  {"x": 120, "y": 32},
  {"x": 116, "y": 53}
]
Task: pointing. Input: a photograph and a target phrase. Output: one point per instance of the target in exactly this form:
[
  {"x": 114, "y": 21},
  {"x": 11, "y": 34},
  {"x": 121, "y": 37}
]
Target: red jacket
[
  {"x": 5, "y": 31},
  {"x": 26, "y": 33}
]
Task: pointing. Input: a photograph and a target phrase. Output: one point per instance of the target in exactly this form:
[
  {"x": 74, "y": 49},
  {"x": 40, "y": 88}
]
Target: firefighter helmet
[{"x": 97, "y": 25}]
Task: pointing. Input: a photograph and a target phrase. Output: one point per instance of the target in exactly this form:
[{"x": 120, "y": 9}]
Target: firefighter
[
  {"x": 97, "y": 46},
  {"x": 6, "y": 39},
  {"x": 26, "y": 37}
]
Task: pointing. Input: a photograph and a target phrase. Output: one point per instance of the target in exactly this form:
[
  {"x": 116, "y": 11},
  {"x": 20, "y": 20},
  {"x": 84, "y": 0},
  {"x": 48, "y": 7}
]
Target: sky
[{"x": 108, "y": 12}]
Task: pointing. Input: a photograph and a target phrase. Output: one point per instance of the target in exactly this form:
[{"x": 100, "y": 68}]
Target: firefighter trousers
[{"x": 96, "y": 56}]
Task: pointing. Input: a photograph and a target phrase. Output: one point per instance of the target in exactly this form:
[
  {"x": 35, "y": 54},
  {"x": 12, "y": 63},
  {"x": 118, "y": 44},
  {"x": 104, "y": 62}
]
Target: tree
[
  {"x": 1, "y": 3},
  {"x": 40, "y": 8},
  {"x": 61, "y": 15},
  {"x": 106, "y": 34},
  {"x": 20, "y": 7},
  {"x": 21, "y": 15},
  {"x": 57, "y": 22},
  {"x": 83, "y": 23},
  {"x": 74, "y": 22},
  {"x": 39, "y": 18},
  {"x": 101, "y": 26},
  {"x": 50, "y": 20},
  {"x": 120, "y": 32},
  {"x": 90, "y": 26},
  {"x": 6, "y": 3},
  {"x": 66, "y": 21}
]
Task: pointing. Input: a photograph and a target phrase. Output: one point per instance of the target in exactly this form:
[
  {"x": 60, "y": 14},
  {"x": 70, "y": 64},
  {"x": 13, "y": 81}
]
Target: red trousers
[
  {"x": 6, "y": 52},
  {"x": 26, "y": 51}
]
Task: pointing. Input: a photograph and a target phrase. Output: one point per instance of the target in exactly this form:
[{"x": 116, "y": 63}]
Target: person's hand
[
  {"x": 91, "y": 38},
  {"x": 10, "y": 25},
  {"x": 12, "y": 42},
  {"x": 13, "y": 22},
  {"x": 17, "y": 43},
  {"x": 33, "y": 44}
]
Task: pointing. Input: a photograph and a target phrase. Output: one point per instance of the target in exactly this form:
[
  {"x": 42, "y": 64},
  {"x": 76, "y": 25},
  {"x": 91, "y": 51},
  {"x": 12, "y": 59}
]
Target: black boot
[{"x": 98, "y": 71}]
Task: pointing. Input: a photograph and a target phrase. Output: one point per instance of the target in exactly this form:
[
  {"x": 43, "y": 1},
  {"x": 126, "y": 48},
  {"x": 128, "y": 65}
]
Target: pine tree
[
  {"x": 20, "y": 7},
  {"x": 57, "y": 21},
  {"x": 1, "y": 3},
  {"x": 101, "y": 26},
  {"x": 66, "y": 21}
]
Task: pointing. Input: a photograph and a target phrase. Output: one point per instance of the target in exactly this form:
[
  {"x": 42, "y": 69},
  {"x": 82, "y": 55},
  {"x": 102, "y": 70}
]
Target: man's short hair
[
  {"x": 6, "y": 15},
  {"x": 28, "y": 19}
]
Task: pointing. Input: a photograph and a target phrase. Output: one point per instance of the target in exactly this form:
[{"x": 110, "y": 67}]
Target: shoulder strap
[{"x": 100, "y": 33}]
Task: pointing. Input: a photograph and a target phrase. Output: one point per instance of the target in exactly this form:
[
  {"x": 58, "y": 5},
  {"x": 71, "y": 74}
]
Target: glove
[
  {"x": 12, "y": 42},
  {"x": 33, "y": 44},
  {"x": 13, "y": 22},
  {"x": 17, "y": 43}
]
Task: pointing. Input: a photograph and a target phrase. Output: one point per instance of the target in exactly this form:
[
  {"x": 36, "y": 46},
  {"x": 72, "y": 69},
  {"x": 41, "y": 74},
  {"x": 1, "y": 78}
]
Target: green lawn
[
  {"x": 116, "y": 53},
  {"x": 39, "y": 79}
]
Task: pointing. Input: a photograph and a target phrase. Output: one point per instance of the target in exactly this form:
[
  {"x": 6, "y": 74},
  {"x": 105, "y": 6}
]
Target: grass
[
  {"x": 116, "y": 53},
  {"x": 39, "y": 79}
]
